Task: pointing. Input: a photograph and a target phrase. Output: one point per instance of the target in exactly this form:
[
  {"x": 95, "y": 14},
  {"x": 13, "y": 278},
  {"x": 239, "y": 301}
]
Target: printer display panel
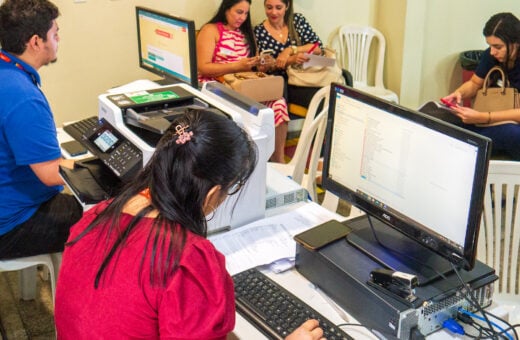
[{"x": 106, "y": 139}]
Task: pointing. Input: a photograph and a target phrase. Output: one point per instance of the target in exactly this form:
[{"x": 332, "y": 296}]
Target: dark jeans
[
  {"x": 506, "y": 139},
  {"x": 45, "y": 232}
]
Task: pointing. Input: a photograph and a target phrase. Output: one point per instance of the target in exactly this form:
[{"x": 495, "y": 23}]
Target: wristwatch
[{"x": 294, "y": 49}]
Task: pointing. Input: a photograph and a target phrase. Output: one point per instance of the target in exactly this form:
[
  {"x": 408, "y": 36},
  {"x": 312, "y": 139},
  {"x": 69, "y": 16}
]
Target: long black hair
[
  {"x": 22, "y": 19},
  {"x": 506, "y": 27},
  {"x": 246, "y": 28},
  {"x": 178, "y": 177}
]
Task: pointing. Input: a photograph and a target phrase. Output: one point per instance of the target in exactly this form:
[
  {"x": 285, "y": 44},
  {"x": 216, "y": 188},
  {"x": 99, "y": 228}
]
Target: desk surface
[{"x": 306, "y": 291}]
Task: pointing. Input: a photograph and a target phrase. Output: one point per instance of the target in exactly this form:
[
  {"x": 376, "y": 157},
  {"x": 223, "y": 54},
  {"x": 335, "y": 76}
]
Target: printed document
[{"x": 270, "y": 239}]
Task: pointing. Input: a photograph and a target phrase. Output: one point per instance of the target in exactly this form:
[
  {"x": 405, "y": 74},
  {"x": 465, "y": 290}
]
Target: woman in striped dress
[{"x": 226, "y": 45}]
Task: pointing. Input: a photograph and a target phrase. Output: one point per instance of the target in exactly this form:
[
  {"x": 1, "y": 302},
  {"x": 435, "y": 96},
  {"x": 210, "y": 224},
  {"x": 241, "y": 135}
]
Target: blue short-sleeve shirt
[{"x": 27, "y": 136}]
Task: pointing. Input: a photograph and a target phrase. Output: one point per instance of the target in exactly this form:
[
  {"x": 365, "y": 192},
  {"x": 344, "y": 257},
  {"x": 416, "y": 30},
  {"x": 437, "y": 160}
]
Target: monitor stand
[
  {"x": 397, "y": 251},
  {"x": 167, "y": 81}
]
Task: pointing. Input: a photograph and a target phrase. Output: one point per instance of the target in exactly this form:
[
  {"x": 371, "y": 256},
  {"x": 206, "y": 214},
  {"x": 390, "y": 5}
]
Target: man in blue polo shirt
[{"x": 35, "y": 216}]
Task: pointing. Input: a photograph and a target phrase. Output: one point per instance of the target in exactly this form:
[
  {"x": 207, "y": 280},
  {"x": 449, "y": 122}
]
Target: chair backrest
[
  {"x": 355, "y": 44},
  {"x": 318, "y": 128},
  {"x": 308, "y": 132},
  {"x": 499, "y": 235}
]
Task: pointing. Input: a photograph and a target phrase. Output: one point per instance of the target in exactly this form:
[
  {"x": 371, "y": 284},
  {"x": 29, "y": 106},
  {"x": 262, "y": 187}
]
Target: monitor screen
[
  {"x": 410, "y": 172},
  {"x": 167, "y": 46}
]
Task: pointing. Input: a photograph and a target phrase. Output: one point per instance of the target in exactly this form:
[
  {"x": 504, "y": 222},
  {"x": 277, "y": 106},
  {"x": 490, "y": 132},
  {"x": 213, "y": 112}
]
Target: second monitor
[
  {"x": 167, "y": 46},
  {"x": 420, "y": 180}
]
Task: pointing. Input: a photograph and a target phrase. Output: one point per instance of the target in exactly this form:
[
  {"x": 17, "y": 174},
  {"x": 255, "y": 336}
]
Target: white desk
[{"x": 306, "y": 291}]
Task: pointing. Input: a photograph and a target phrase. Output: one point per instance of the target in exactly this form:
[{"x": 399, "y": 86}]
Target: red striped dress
[{"x": 232, "y": 46}]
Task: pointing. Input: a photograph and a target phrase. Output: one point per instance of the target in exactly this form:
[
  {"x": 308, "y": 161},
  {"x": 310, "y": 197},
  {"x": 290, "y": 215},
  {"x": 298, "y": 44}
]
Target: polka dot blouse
[{"x": 307, "y": 36}]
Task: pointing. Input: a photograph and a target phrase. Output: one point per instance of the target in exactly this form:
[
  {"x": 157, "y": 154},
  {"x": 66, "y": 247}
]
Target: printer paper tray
[
  {"x": 83, "y": 184},
  {"x": 84, "y": 181}
]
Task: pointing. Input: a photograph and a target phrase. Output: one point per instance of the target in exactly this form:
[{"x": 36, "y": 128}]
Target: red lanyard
[{"x": 20, "y": 66}]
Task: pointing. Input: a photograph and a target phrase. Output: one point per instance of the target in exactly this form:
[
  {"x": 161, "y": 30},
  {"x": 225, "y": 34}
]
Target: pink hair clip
[{"x": 183, "y": 136}]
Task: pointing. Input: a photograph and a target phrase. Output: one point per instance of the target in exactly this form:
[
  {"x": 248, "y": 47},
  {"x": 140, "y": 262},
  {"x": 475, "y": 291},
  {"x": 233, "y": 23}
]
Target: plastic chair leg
[{"x": 28, "y": 283}]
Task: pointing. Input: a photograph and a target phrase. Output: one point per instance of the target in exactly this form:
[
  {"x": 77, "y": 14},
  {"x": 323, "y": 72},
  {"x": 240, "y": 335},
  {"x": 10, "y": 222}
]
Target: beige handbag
[
  {"x": 316, "y": 76},
  {"x": 501, "y": 98},
  {"x": 258, "y": 86}
]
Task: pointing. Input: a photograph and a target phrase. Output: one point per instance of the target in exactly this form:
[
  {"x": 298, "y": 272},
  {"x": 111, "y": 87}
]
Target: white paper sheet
[
  {"x": 318, "y": 60},
  {"x": 270, "y": 239}
]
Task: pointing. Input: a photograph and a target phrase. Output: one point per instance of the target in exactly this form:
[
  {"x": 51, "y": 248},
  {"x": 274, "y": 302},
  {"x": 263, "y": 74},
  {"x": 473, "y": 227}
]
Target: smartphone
[
  {"x": 74, "y": 148},
  {"x": 323, "y": 234},
  {"x": 265, "y": 55},
  {"x": 447, "y": 103}
]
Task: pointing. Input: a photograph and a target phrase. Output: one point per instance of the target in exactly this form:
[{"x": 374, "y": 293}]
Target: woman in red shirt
[{"x": 140, "y": 266}]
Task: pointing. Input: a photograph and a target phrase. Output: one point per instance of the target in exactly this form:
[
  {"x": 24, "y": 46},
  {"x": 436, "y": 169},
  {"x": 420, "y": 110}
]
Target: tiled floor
[{"x": 26, "y": 319}]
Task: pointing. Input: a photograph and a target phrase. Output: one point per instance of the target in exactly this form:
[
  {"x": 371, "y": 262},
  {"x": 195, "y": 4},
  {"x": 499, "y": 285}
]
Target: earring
[{"x": 210, "y": 216}]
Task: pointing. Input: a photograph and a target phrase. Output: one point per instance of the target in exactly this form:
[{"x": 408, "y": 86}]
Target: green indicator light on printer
[{"x": 153, "y": 97}]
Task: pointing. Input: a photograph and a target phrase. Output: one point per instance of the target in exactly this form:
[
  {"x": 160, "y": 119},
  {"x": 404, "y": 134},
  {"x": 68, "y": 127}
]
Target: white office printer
[{"x": 143, "y": 111}]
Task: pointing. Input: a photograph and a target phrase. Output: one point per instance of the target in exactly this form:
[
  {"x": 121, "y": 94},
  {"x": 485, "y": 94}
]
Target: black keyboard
[
  {"x": 78, "y": 129},
  {"x": 274, "y": 310}
]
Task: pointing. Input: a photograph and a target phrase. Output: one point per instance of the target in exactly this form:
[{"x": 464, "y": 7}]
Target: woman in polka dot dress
[{"x": 288, "y": 34}]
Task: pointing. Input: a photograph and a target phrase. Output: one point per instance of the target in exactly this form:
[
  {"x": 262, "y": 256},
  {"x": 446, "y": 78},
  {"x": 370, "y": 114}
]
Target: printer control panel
[
  {"x": 117, "y": 152},
  {"x": 112, "y": 148},
  {"x": 123, "y": 158}
]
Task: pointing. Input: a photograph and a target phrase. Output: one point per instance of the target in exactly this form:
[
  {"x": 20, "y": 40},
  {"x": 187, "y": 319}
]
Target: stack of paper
[{"x": 269, "y": 240}]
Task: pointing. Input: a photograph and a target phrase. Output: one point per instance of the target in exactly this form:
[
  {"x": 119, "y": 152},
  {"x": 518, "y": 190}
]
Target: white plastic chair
[
  {"x": 331, "y": 202},
  {"x": 499, "y": 237},
  {"x": 313, "y": 129},
  {"x": 355, "y": 44},
  {"x": 27, "y": 268}
]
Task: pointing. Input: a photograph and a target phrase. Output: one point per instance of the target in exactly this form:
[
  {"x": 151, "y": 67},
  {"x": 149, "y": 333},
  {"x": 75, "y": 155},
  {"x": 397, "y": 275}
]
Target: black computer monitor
[
  {"x": 167, "y": 46},
  {"x": 420, "y": 181}
]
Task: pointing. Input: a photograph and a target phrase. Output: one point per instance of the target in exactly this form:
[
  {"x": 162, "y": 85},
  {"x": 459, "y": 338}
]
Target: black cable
[
  {"x": 511, "y": 327},
  {"x": 467, "y": 293},
  {"x": 481, "y": 331},
  {"x": 467, "y": 319}
]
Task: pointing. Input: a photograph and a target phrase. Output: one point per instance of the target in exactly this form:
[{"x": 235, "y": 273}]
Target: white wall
[
  {"x": 435, "y": 33},
  {"x": 98, "y": 49},
  {"x": 445, "y": 36}
]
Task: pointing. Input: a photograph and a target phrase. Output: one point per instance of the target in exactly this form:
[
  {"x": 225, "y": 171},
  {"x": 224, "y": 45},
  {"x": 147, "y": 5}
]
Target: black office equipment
[
  {"x": 84, "y": 185},
  {"x": 73, "y": 148},
  {"x": 78, "y": 129},
  {"x": 273, "y": 310},
  {"x": 116, "y": 161},
  {"x": 342, "y": 272},
  {"x": 421, "y": 183},
  {"x": 418, "y": 175},
  {"x": 107, "y": 144}
]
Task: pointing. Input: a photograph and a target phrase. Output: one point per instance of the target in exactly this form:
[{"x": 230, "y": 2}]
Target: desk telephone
[{"x": 116, "y": 160}]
